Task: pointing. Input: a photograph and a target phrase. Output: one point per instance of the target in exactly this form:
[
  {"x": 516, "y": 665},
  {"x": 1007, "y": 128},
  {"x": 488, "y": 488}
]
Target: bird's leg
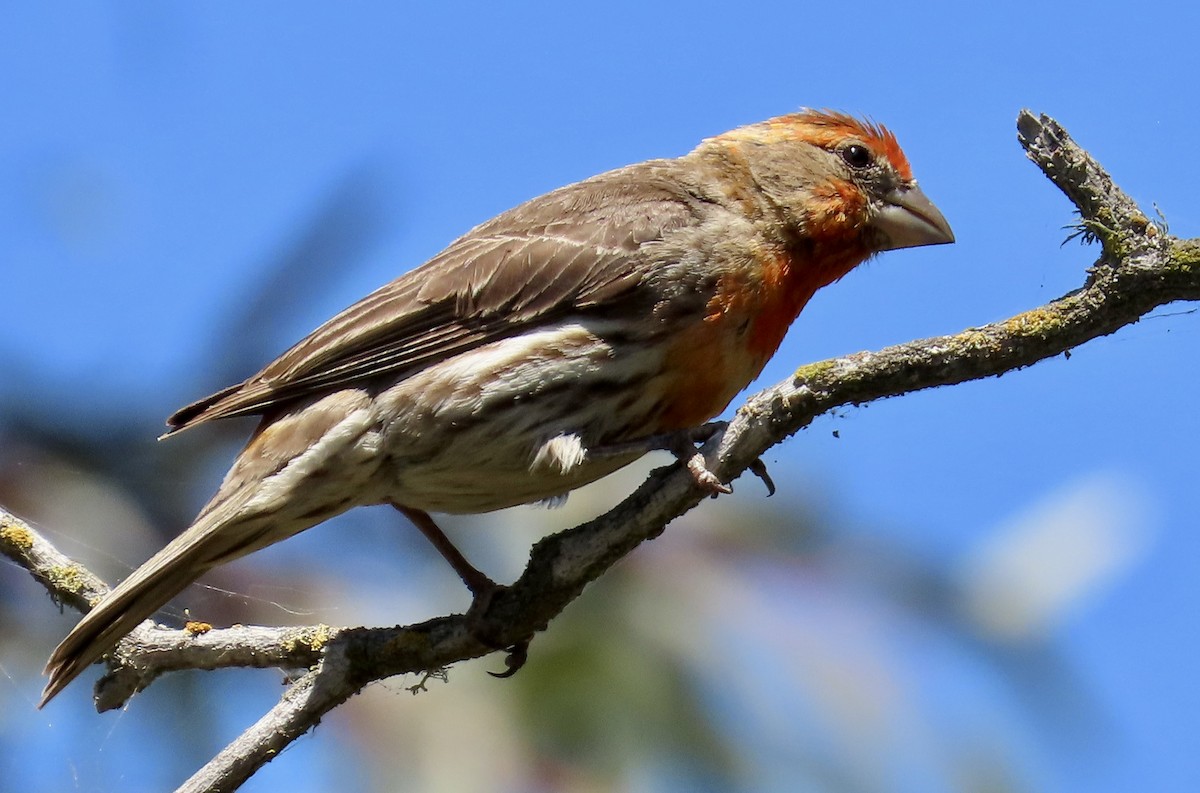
[
  {"x": 682, "y": 444},
  {"x": 480, "y": 585},
  {"x": 483, "y": 589}
]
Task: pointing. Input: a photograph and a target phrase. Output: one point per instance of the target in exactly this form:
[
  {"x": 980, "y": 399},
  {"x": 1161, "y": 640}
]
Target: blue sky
[{"x": 154, "y": 157}]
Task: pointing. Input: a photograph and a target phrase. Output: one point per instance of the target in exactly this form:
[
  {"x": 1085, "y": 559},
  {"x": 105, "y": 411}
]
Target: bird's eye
[{"x": 857, "y": 155}]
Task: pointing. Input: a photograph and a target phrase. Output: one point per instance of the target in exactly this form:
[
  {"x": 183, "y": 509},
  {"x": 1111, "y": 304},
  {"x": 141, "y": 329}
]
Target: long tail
[
  {"x": 280, "y": 484},
  {"x": 218, "y": 535}
]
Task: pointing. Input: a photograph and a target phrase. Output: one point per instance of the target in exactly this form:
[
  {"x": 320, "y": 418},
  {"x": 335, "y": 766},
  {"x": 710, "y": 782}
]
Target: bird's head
[{"x": 829, "y": 180}]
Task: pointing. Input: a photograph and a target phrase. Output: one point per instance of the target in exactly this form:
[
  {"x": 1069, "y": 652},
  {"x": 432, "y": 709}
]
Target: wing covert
[{"x": 571, "y": 250}]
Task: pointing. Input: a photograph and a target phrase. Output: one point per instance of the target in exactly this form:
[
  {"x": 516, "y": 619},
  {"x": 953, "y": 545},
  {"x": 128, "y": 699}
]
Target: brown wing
[{"x": 568, "y": 251}]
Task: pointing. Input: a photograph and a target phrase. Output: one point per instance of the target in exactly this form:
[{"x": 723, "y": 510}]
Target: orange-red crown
[{"x": 825, "y": 128}]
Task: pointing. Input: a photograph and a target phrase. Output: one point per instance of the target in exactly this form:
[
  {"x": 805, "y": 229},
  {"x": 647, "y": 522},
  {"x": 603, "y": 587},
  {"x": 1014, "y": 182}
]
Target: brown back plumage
[{"x": 569, "y": 251}]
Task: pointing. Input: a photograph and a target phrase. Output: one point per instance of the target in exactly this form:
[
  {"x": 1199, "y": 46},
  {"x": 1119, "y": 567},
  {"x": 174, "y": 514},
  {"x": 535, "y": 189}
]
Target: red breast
[{"x": 714, "y": 359}]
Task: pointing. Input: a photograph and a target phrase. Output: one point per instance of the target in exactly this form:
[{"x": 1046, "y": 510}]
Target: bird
[{"x": 542, "y": 350}]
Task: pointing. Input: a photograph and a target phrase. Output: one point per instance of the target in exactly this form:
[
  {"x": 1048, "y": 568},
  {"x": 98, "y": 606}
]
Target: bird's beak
[{"x": 909, "y": 220}]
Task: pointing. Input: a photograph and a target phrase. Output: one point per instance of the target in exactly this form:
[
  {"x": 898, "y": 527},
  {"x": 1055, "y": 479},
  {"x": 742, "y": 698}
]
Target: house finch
[{"x": 543, "y": 350}]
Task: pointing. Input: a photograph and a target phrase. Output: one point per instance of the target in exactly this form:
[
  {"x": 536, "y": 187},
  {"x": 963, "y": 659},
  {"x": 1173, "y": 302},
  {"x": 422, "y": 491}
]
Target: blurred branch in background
[
  {"x": 119, "y": 449},
  {"x": 100, "y": 479},
  {"x": 692, "y": 620},
  {"x": 340, "y": 232}
]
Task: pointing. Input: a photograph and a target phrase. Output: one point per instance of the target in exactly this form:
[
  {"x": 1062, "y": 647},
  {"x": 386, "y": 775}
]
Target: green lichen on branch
[
  {"x": 813, "y": 374},
  {"x": 1185, "y": 257}
]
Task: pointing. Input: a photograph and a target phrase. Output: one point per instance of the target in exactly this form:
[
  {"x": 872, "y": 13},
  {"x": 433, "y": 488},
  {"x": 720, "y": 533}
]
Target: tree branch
[{"x": 1140, "y": 268}]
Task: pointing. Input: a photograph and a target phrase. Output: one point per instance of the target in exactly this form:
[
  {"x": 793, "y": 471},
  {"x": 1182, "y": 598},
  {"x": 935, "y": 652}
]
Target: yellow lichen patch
[
  {"x": 409, "y": 642},
  {"x": 68, "y": 578},
  {"x": 313, "y": 638},
  {"x": 197, "y": 628},
  {"x": 16, "y": 535},
  {"x": 1038, "y": 322},
  {"x": 971, "y": 340}
]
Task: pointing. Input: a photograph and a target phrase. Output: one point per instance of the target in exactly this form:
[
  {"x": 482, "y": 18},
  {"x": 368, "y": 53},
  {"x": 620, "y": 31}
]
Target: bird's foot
[
  {"x": 694, "y": 460},
  {"x": 682, "y": 444},
  {"x": 485, "y": 591}
]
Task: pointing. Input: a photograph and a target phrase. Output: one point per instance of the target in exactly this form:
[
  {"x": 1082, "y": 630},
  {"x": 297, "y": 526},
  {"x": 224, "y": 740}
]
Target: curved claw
[
  {"x": 518, "y": 654},
  {"x": 759, "y": 469}
]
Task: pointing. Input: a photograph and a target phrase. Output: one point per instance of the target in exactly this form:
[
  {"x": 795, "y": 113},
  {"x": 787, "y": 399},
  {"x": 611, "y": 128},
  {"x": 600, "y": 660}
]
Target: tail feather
[
  {"x": 213, "y": 539},
  {"x": 117, "y": 614},
  {"x": 197, "y": 412},
  {"x": 278, "y": 486}
]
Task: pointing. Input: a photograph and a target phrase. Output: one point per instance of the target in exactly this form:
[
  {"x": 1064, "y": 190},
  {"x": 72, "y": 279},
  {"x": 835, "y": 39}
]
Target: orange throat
[
  {"x": 746, "y": 322},
  {"x": 788, "y": 283}
]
